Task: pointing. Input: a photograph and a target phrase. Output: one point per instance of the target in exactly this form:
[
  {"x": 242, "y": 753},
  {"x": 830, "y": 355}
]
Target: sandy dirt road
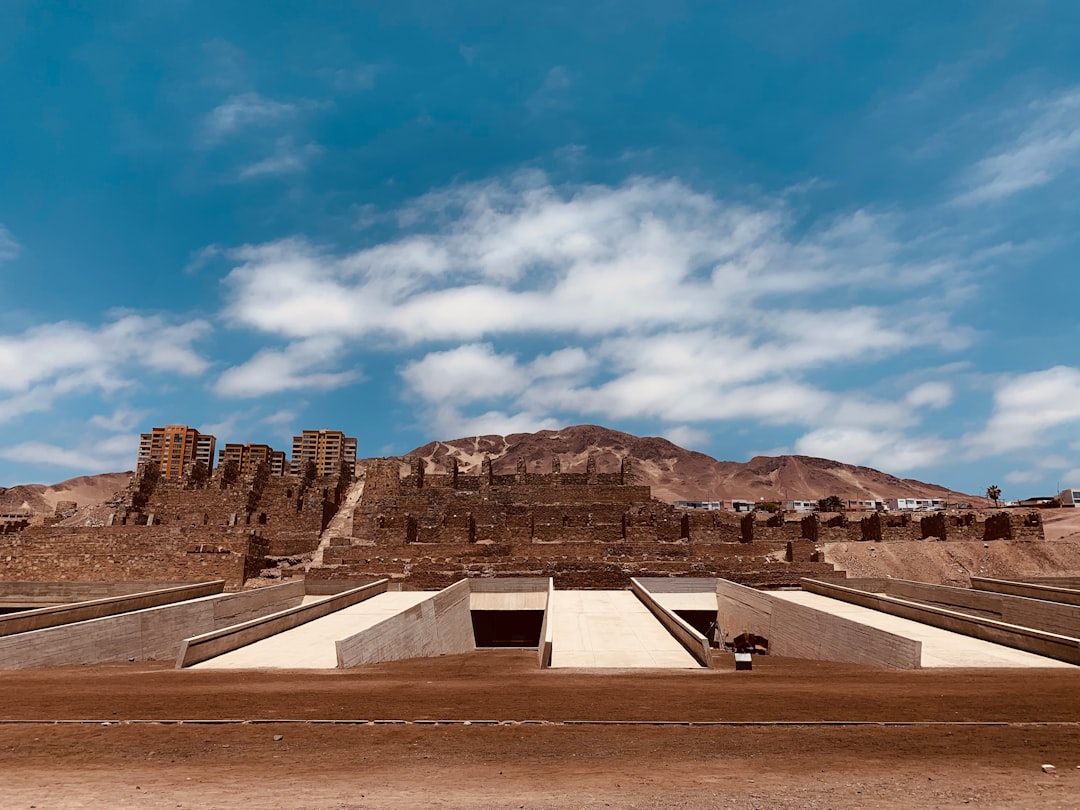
[{"x": 818, "y": 735}]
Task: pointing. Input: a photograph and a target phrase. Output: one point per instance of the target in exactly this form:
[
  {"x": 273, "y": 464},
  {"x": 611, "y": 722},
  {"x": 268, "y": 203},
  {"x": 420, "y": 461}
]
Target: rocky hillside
[
  {"x": 41, "y": 499},
  {"x": 673, "y": 472},
  {"x": 678, "y": 474}
]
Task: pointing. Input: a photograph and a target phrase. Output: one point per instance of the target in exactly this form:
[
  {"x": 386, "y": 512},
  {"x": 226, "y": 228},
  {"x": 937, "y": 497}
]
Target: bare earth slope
[
  {"x": 675, "y": 473},
  {"x": 41, "y": 499}
]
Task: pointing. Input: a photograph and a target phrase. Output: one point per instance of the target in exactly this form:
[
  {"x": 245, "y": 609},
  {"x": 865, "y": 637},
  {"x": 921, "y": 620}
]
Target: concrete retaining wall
[
  {"x": 1039, "y": 614},
  {"x": 209, "y": 645},
  {"x": 44, "y": 594},
  {"x": 803, "y": 632},
  {"x": 678, "y": 584},
  {"x": 81, "y": 611},
  {"x": 1049, "y": 593},
  {"x": 151, "y": 634},
  {"x": 543, "y": 651},
  {"x": 695, "y": 643},
  {"x": 1052, "y": 645},
  {"x": 441, "y": 625}
]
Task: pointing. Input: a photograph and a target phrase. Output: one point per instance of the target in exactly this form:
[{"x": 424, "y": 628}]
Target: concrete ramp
[
  {"x": 940, "y": 648},
  {"x": 610, "y": 629},
  {"x": 312, "y": 645}
]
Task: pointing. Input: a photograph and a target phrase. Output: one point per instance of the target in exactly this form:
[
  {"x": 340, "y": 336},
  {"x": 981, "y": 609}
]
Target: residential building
[
  {"x": 800, "y": 506},
  {"x": 860, "y": 505},
  {"x": 915, "y": 504},
  {"x": 712, "y": 506},
  {"x": 249, "y": 456},
  {"x": 1070, "y": 497},
  {"x": 175, "y": 448},
  {"x": 329, "y": 449},
  {"x": 738, "y": 505}
]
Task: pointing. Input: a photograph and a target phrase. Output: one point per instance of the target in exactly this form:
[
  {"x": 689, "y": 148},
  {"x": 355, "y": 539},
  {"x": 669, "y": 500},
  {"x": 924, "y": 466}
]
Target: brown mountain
[
  {"x": 41, "y": 499},
  {"x": 679, "y": 474}
]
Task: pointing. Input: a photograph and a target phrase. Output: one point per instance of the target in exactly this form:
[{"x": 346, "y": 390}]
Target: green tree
[
  {"x": 830, "y": 504},
  {"x": 766, "y": 506},
  {"x": 993, "y": 492}
]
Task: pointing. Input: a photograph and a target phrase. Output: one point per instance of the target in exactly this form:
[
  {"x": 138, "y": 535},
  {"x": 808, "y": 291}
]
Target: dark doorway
[
  {"x": 700, "y": 620},
  {"x": 507, "y": 628}
]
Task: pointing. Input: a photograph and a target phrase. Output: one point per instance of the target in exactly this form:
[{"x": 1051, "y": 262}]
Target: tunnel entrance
[
  {"x": 507, "y": 628},
  {"x": 700, "y": 620}
]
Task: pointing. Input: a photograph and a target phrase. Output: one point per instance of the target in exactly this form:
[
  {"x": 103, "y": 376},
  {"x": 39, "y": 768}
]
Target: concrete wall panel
[
  {"x": 1039, "y": 614},
  {"x": 694, "y": 642},
  {"x": 1052, "y": 645},
  {"x": 151, "y": 634},
  {"x": 203, "y": 646},
  {"x": 802, "y": 632},
  {"x": 1049, "y": 593},
  {"x": 441, "y": 625},
  {"x": 41, "y": 618}
]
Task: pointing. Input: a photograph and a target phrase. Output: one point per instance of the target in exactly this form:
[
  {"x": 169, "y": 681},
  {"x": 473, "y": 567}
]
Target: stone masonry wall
[{"x": 131, "y": 553}]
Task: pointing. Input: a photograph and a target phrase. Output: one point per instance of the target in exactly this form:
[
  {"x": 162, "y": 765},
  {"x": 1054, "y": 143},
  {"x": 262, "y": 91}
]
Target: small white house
[{"x": 915, "y": 504}]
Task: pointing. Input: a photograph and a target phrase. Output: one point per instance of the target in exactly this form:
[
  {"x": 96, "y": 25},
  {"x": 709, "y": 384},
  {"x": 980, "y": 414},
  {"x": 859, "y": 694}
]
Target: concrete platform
[
  {"x": 311, "y": 646},
  {"x": 940, "y": 648},
  {"x": 611, "y": 629}
]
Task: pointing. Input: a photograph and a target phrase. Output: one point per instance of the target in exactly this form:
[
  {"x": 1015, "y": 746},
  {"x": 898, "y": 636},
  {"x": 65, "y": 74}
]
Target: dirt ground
[{"x": 790, "y": 734}]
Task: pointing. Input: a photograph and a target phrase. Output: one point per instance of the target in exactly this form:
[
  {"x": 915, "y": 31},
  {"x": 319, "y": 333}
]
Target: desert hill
[
  {"x": 673, "y": 472},
  {"x": 679, "y": 474},
  {"x": 41, "y": 499}
]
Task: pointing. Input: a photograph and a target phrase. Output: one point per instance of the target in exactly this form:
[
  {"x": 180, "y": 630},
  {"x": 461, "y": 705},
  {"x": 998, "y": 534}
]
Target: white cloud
[
  {"x": 9, "y": 248},
  {"x": 930, "y": 395},
  {"x": 686, "y": 436},
  {"x": 449, "y": 421},
  {"x": 242, "y": 111},
  {"x": 53, "y": 360},
  {"x": 464, "y": 374},
  {"x": 643, "y": 300},
  {"x": 882, "y": 449},
  {"x": 552, "y": 93},
  {"x": 525, "y": 257},
  {"x": 287, "y": 158},
  {"x": 1023, "y": 476},
  {"x": 119, "y": 421},
  {"x": 291, "y": 369},
  {"x": 1027, "y": 409},
  {"x": 1047, "y": 147},
  {"x": 105, "y": 456}
]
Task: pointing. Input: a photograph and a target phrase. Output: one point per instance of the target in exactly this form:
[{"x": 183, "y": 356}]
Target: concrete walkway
[
  {"x": 311, "y": 645},
  {"x": 941, "y": 648},
  {"x": 610, "y": 629}
]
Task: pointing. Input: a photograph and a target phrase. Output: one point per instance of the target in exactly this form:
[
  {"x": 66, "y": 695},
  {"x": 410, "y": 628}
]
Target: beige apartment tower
[
  {"x": 249, "y": 456},
  {"x": 327, "y": 448},
  {"x": 175, "y": 448}
]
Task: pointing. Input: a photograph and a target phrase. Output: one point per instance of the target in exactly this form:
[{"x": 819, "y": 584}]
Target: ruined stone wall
[
  {"x": 579, "y": 565},
  {"x": 131, "y": 554},
  {"x": 281, "y": 510}
]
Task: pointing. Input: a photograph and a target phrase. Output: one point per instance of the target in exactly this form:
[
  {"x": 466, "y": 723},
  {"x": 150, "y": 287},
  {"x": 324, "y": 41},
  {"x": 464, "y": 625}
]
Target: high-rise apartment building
[
  {"x": 249, "y": 456},
  {"x": 327, "y": 448},
  {"x": 174, "y": 448}
]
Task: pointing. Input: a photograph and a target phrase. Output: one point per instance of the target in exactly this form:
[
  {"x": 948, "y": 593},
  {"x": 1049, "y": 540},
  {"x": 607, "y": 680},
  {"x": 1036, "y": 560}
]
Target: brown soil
[
  {"x": 786, "y": 757},
  {"x": 955, "y": 562}
]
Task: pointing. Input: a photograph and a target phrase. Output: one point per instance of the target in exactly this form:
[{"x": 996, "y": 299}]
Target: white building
[
  {"x": 915, "y": 504},
  {"x": 800, "y": 506},
  {"x": 1070, "y": 497}
]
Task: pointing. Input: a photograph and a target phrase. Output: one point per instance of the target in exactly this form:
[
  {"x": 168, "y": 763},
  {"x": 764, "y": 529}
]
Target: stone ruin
[{"x": 588, "y": 529}]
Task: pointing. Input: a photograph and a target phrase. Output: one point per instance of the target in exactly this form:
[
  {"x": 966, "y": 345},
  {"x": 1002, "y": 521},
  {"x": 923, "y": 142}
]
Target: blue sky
[{"x": 835, "y": 228}]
